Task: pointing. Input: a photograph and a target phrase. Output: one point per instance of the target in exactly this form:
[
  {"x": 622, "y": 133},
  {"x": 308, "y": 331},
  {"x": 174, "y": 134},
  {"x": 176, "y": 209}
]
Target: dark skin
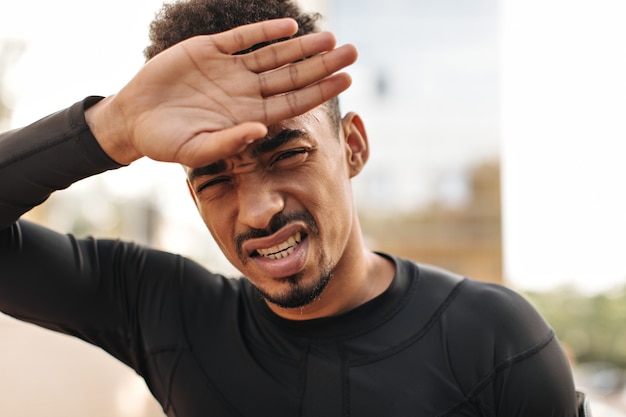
[
  {"x": 196, "y": 102},
  {"x": 282, "y": 213},
  {"x": 273, "y": 184}
]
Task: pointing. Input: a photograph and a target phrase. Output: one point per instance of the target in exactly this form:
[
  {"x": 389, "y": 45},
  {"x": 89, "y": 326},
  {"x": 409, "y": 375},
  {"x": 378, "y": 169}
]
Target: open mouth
[{"x": 282, "y": 250}]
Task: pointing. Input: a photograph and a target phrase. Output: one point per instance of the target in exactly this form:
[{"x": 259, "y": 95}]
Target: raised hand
[{"x": 196, "y": 102}]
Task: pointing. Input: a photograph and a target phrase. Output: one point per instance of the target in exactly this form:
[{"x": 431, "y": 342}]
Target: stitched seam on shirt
[
  {"x": 405, "y": 300},
  {"x": 304, "y": 379},
  {"x": 69, "y": 136},
  {"x": 507, "y": 363},
  {"x": 413, "y": 339},
  {"x": 208, "y": 379},
  {"x": 383, "y": 320},
  {"x": 178, "y": 350},
  {"x": 345, "y": 378},
  {"x": 168, "y": 387}
]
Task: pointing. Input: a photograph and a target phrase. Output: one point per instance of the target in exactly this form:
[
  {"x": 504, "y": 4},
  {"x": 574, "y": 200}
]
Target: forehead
[
  {"x": 314, "y": 126},
  {"x": 316, "y": 120}
]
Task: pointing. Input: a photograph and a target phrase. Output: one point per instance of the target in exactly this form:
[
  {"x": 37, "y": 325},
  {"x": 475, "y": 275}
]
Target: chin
[{"x": 298, "y": 294}]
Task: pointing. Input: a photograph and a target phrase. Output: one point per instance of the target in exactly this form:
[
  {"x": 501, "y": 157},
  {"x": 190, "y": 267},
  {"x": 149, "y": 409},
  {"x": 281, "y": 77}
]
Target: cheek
[
  {"x": 217, "y": 224},
  {"x": 337, "y": 186},
  {"x": 330, "y": 203}
]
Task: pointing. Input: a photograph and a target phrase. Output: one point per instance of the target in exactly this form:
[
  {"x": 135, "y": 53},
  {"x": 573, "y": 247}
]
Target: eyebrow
[
  {"x": 271, "y": 143},
  {"x": 211, "y": 169},
  {"x": 260, "y": 147}
]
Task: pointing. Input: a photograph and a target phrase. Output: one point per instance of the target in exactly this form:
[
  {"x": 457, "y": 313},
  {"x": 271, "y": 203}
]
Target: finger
[
  {"x": 309, "y": 71},
  {"x": 292, "y": 104},
  {"x": 244, "y": 37},
  {"x": 282, "y": 53},
  {"x": 209, "y": 147}
]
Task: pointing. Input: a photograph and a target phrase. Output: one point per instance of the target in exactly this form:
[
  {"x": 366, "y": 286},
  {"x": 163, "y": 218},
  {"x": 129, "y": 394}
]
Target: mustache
[{"x": 277, "y": 222}]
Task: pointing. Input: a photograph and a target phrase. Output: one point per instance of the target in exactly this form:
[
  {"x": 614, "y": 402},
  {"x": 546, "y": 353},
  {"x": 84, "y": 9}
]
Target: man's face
[{"x": 281, "y": 211}]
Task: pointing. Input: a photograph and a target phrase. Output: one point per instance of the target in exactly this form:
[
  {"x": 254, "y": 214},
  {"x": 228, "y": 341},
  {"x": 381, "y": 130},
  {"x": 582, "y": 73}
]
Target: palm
[{"x": 197, "y": 102}]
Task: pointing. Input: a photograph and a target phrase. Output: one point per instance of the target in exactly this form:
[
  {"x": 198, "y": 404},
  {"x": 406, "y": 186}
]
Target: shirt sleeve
[
  {"x": 46, "y": 156},
  {"x": 82, "y": 287},
  {"x": 505, "y": 357}
]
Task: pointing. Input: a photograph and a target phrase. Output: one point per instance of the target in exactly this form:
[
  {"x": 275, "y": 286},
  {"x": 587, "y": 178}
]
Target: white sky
[{"x": 563, "y": 75}]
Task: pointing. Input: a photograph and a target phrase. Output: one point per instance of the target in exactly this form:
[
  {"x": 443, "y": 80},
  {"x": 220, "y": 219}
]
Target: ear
[{"x": 357, "y": 147}]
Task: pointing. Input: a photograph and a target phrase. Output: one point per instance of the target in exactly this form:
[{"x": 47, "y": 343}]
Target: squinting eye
[
  {"x": 291, "y": 154},
  {"x": 211, "y": 183}
]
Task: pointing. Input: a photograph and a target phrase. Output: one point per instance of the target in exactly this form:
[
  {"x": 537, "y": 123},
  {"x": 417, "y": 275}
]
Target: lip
[
  {"x": 251, "y": 246},
  {"x": 284, "y": 267}
]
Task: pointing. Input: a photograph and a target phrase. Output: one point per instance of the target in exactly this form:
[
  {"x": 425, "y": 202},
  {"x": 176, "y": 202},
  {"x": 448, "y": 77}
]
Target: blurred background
[{"x": 498, "y": 138}]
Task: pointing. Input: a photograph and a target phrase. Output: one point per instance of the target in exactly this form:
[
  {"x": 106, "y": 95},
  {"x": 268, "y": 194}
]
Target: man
[{"x": 320, "y": 326}]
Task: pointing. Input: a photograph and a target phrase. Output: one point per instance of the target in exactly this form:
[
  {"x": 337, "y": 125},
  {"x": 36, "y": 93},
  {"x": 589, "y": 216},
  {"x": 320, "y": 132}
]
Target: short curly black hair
[{"x": 185, "y": 19}]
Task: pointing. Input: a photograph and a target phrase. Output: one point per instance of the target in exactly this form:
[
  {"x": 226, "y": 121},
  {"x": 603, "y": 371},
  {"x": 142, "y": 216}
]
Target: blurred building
[
  {"x": 463, "y": 235},
  {"x": 426, "y": 85}
]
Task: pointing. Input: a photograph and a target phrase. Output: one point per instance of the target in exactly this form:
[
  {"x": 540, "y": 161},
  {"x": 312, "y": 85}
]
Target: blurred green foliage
[{"x": 592, "y": 327}]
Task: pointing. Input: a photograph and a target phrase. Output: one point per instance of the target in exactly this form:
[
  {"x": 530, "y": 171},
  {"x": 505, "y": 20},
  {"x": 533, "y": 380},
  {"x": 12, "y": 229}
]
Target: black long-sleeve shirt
[{"x": 433, "y": 344}]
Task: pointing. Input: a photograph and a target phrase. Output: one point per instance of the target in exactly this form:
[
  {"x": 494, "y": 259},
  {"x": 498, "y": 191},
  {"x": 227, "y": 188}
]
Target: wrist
[{"x": 107, "y": 124}]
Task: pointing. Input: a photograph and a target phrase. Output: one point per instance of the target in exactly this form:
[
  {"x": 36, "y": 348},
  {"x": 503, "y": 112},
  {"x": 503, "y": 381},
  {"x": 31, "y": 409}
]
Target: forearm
[{"x": 46, "y": 156}]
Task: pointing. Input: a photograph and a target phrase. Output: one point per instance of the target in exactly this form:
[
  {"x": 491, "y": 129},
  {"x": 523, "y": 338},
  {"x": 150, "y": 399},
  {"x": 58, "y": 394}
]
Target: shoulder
[
  {"x": 483, "y": 320},
  {"x": 499, "y": 313},
  {"x": 502, "y": 351},
  {"x": 476, "y": 305},
  {"x": 493, "y": 344}
]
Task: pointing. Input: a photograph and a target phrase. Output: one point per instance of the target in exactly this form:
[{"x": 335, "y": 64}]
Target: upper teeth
[{"x": 283, "y": 250}]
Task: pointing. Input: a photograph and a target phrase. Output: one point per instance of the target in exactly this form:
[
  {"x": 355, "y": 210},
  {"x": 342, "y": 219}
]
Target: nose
[{"x": 258, "y": 203}]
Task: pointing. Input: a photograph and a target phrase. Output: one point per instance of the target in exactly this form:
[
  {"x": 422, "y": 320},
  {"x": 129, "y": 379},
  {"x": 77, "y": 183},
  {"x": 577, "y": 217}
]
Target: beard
[{"x": 299, "y": 295}]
